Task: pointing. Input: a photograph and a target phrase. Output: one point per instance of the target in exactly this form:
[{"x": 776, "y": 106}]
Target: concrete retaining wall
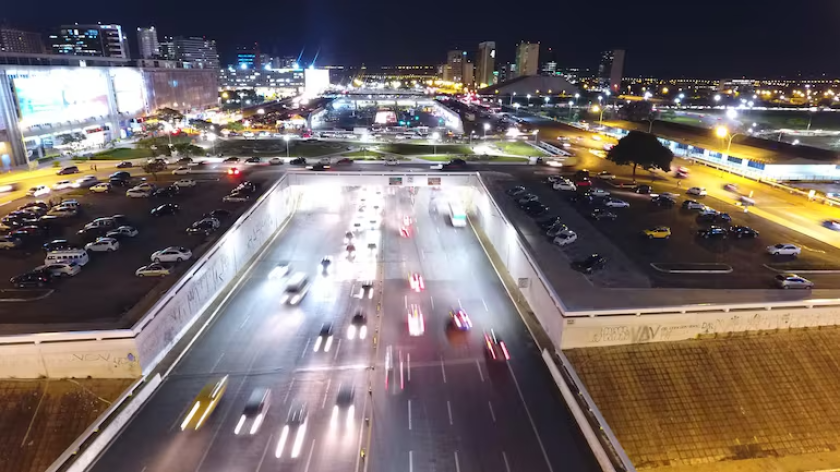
[{"x": 134, "y": 352}]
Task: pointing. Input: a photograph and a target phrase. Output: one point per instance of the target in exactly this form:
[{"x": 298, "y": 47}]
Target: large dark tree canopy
[{"x": 641, "y": 149}]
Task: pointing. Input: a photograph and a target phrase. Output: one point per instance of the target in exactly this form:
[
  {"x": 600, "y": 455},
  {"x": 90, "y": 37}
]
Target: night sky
[{"x": 664, "y": 39}]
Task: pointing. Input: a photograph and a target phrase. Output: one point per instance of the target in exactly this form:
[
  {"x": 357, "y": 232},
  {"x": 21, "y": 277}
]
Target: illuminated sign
[
  {"x": 395, "y": 181},
  {"x": 434, "y": 181},
  {"x": 55, "y": 95}
]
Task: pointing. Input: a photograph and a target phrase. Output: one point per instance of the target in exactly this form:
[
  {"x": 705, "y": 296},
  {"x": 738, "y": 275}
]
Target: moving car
[
  {"x": 365, "y": 290},
  {"x": 787, "y": 281},
  {"x": 204, "y": 404},
  {"x": 62, "y": 184},
  {"x": 122, "y": 232},
  {"x": 182, "y": 171},
  {"x": 590, "y": 264},
  {"x": 153, "y": 270},
  {"x": 696, "y": 191},
  {"x": 103, "y": 245},
  {"x": 61, "y": 269},
  {"x": 85, "y": 182},
  {"x": 343, "y": 402},
  {"x": 33, "y": 278},
  {"x": 416, "y": 282},
  {"x": 186, "y": 183},
  {"x": 604, "y": 175},
  {"x": 416, "y": 323},
  {"x": 644, "y": 189},
  {"x": 659, "y": 232},
  {"x": 165, "y": 209},
  {"x": 280, "y": 270},
  {"x": 254, "y": 412},
  {"x": 324, "y": 339},
  {"x": 459, "y": 319},
  {"x": 565, "y": 237},
  {"x": 693, "y": 205},
  {"x": 38, "y": 190},
  {"x": 712, "y": 232},
  {"x": 296, "y": 289},
  {"x": 358, "y": 326},
  {"x": 743, "y": 232},
  {"x": 784, "y": 250},
  {"x": 172, "y": 254},
  {"x": 565, "y": 185},
  {"x": 732, "y": 188},
  {"x": 125, "y": 165},
  {"x": 295, "y": 425},
  {"x": 495, "y": 347},
  {"x": 68, "y": 170},
  {"x": 390, "y": 161},
  {"x": 275, "y": 161},
  {"x": 615, "y": 203}
]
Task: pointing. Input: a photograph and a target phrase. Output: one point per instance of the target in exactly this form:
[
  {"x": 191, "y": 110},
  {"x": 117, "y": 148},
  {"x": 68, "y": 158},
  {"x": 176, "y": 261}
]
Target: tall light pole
[
  {"x": 516, "y": 107},
  {"x": 723, "y": 133},
  {"x": 528, "y": 100},
  {"x": 435, "y": 136},
  {"x": 286, "y": 138},
  {"x": 599, "y": 109},
  {"x": 511, "y": 98},
  {"x": 486, "y": 127},
  {"x": 212, "y": 138},
  {"x": 547, "y": 99}
]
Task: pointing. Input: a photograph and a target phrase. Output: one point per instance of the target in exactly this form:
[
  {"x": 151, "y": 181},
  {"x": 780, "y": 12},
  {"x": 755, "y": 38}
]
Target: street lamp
[
  {"x": 516, "y": 107},
  {"x": 286, "y": 138},
  {"x": 435, "y": 136},
  {"x": 486, "y": 127},
  {"x": 599, "y": 109},
  {"x": 547, "y": 99},
  {"x": 723, "y": 133},
  {"x": 528, "y": 102},
  {"x": 511, "y": 98},
  {"x": 472, "y": 133},
  {"x": 717, "y": 98}
]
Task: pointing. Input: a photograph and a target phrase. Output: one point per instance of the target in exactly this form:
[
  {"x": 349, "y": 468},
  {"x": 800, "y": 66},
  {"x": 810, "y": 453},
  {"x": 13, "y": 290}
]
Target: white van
[
  {"x": 296, "y": 288},
  {"x": 79, "y": 256}
]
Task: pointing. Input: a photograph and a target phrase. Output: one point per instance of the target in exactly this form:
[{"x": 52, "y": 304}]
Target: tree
[
  {"x": 641, "y": 149},
  {"x": 168, "y": 114},
  {"x": 636, "y": 111},
  {"x": 235, "y": 126}
]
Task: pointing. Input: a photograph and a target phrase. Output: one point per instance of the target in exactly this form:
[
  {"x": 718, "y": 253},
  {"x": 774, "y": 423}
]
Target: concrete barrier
[
  {"x": 131, "y": 353},
  {"x": 97, "y": 437}
]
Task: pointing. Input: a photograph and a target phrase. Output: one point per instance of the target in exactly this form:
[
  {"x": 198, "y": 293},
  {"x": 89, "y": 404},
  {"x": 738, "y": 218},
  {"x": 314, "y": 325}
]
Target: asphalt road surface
[{"x": 445, "y": 406}]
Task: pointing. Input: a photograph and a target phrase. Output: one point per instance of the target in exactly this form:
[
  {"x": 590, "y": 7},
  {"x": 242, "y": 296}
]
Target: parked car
[
  {"x": 787, "y": 281},
  {"x": 253, "y": 161},
  {"x": 604, "y": 175},
  {"x": 659, "y": 232},
  {"x": 104, "y": 223},
  {"x": 643, "y": 189},
  {"x": 186, "y": 183},
  {"x": 516, "y": 191},
  {"x": 138, "y": 193},
  {"x": 218, "y": 214},
  {"x": 167, "y": 192},
  {"x": 231, "y": 160},
  {"x": 743, "y": 232},
  {"x": 61, "y": 269},
  {"x": 172, "y": 254},
  {"x": 58, "y": 245},
  {"x": 712, "y": 217},
  {"x": 615, "y": 203},
  {"x": 565, "y": 185},
  {"x": 590, "y": 263},
  {"x": 38, "y": 190},
  {"x": 103, "y": 245},
  {"x": 693, "y": 205},
  {"x": 298, "y": 161},
  {"x": 68, "y": 170},
  {"x": 697, "y": 191},
  {"x": 236, "y": 197},
  {"x": 7, "y": 242},
  {"x": 165, "y": 209},
  {"x": 204, "y": 227},
  {"x": 599, "y": 214},
  {"x": 275, "y": 161},
  {"x": 784, "y": 250},
  {"x": 525, "y": 199},
  {"x": 182, "y": 171},
  {"x": 125, "y": 165},
  {"x": 62, "y": 184}
]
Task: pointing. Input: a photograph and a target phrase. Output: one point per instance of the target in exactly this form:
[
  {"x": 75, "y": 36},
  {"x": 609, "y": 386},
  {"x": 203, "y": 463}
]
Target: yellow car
[
  {"x": 660, "y": 232},
  {"x": 205, "y": 403}
]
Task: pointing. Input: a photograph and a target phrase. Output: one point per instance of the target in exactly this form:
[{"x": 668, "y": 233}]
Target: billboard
[
  {"x": 56, "y": 95},
  {"x": 129, "y": 88}
]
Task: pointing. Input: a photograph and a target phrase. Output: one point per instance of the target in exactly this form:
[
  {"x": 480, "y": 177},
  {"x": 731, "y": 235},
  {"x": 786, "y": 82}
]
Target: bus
[{"x": 457, "y": 215}]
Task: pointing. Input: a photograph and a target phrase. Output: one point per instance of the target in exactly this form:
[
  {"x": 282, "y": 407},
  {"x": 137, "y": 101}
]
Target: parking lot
[
  {"x": 684, "y": 260},
  {"x": 105, "y": 291}
]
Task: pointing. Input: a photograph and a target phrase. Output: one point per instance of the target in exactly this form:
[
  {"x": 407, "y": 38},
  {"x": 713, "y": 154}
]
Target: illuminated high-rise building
[
  {"x": 486, "y": 63},
  {"x": 527, "y": 59}
]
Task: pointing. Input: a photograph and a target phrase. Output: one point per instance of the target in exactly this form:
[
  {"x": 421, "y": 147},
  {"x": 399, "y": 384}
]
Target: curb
[
  {"x": 728, "y": 269},
  {"x": 804, "y": 271}
]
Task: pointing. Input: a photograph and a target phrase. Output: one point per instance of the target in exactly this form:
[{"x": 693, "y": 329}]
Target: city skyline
[{"x": 683, "y": 46}]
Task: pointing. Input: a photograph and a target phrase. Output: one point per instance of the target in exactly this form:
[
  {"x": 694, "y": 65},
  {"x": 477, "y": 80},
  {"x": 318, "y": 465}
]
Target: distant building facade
[
  {"x": 611, "y": 70},
  {"x": 147, "y": 43},
  {"x": 249, "y": 57},
  {"x": 199, "y": 52},
  {"x": 453, "y": 70},
  {"x": 527, "y": 59},
  {"x": 486, "y": 64},
  {"x": 13, "y": 40},
  {"x": 90, "y": 40}
]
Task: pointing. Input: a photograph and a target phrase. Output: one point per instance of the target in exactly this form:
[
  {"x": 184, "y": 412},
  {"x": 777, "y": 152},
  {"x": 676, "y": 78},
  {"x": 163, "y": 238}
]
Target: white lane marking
[
  {"x": 35, "y": 415},
  {"x": 449, "y": 410},
  {"x": 410, "y": 461},
  {"x": 480, "y": 374},
  {"x": 409, "y": 415},
  {"x": 309, "y": 459},
  {"x": 241, "y": 325},
  {"x": 530, "y": 419},
  {"x": 442, "y": 370},
  {"x": 433, "y": 301},
  {"x": 305, "y": 348},
  {"x": 457, "y": 465},
  {"x": 507, "y": 465},
  {"x": 485, "y": 304},
  {"x": 408, "y": 365},
  {"x": 326, "y": 392},
  {"x": 216, "y": 364},
  {"x": 337, "y": 347},
  {"x": 459, "y": 304},
  {"x": 259, "y": 465},
  {"x": 406, "y": 301},
  {"x": 291, "y": 384},
  {"x": 492, "y": 413}
]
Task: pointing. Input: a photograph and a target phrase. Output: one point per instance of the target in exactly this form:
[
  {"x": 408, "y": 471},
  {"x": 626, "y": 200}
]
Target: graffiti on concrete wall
[{"x": 631, "y": 329}]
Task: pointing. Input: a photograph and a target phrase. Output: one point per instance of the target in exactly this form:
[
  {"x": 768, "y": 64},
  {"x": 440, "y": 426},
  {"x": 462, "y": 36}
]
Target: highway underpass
[{"x": 434, "y": 402}]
